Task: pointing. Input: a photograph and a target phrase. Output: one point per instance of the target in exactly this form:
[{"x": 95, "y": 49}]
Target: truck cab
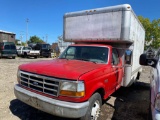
[
  {"x": 8, "y": 49},
  {"x": 97, "y": 58},
  {"x": 45, "y": 49},
  {"x": 27, "y": 52},
  {"x": 81, "y": 71}
]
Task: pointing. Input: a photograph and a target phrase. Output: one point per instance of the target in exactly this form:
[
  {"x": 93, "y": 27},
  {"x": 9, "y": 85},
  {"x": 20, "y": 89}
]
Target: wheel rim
[{"x": 95, "y": 110}]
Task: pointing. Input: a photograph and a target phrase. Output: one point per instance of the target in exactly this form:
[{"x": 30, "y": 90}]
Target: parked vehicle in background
[
  {"x": 154, "y": 62},
  {"x": 28, "y": 52},
  {"x": 8, "y": 49},
  {"x": 108, "y": 43},
  {"x": 45, "y": 49}
]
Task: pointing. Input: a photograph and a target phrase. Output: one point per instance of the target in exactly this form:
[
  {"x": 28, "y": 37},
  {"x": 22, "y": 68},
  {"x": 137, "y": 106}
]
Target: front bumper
[
  {"x": 45, "y": 54},
  {"x": 49, "y": 105},
  {"x": 32, "y": 54},
  {"x": 9, "y": 55}
]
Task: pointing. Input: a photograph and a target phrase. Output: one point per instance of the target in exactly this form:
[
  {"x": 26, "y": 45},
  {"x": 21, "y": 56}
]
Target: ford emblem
[{"x": 35, "y": 83}]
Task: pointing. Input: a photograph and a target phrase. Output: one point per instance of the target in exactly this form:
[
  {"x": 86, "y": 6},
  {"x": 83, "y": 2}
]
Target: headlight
[
  {"x": 72, "y": 89},
  {"x": 18, "y": 76},
  {"x": 157, "y": 102}
]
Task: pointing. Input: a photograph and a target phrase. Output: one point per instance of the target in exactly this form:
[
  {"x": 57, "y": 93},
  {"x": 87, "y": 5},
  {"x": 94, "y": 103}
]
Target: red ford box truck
[{"x": 105, "y": 56}]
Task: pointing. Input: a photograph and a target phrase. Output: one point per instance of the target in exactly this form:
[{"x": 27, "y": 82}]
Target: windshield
[
  {"x": 45, "y": 46},
  {"x": 87, "y": 53},
  {"x": 27, "y": 48}
]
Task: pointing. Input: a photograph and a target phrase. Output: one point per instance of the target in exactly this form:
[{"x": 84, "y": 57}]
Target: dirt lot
[{"x": 127, "y": 103}]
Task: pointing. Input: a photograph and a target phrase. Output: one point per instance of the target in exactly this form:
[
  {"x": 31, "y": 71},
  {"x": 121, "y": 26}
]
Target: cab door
[{"x": 117, "y": 69}]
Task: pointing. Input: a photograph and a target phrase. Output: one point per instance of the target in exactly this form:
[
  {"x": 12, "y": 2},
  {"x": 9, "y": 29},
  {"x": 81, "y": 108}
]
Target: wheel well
[
  {"x": 138, "y": 75},
  {"x": 101, "y": 91}
]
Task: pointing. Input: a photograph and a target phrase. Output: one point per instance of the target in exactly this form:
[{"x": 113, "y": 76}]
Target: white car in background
[
  {"x": 28, "y": 52},
  {"x": 154, "y": 83}
]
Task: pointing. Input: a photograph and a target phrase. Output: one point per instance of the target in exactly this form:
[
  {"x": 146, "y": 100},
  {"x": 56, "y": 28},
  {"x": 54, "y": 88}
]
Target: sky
[{"x": 45, "y": 17}]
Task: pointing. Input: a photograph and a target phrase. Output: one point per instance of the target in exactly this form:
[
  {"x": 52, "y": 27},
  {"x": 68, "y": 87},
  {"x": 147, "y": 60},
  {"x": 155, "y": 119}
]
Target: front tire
[
  {"x": 25, "y": 55},
  {"x": 95, "y": 103}
]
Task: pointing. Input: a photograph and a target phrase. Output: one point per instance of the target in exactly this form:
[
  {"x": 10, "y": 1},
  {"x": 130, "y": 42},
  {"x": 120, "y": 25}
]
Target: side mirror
[{"x": 144, "y": 60}]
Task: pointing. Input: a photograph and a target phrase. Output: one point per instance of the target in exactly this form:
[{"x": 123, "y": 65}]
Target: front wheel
[
  {"x": 25, "y": 55},
  {"x": 95, "y": 103},
  {"x": 13, "y": 57}
]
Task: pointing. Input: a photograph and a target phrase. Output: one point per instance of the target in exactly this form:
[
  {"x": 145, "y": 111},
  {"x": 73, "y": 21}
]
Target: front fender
[{"x": 94, "y": 88}]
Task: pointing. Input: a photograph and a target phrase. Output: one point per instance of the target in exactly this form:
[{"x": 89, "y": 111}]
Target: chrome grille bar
[{"x": 40, "y": 83}]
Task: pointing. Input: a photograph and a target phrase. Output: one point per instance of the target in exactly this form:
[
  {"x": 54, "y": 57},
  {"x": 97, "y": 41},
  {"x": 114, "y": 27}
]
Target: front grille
[{"x": 40, "y": 83}]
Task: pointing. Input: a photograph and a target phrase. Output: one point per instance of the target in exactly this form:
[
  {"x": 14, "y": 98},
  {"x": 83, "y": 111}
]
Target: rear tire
[
  {"x": 35, "y": 57},
  {"x": 95, "y": 102},
  {"x": 25, "y": 55},
  {"x": 13, "y": 57}
]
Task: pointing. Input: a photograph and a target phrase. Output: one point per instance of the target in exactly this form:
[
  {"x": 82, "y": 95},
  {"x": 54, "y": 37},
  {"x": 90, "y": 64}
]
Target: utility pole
[
  {"x": 27, "y": 20},
  {"x": 21, "y": 38},
  {"x": 46, "y": 38}
]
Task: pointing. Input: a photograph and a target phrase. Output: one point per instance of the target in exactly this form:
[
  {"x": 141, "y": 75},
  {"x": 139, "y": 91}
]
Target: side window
[
  {"x": 71, "y": 53},
  {"x": 115, "y": 58},
  {"x": 29, "y": 48},
  {"x": 25, "y": 48}
]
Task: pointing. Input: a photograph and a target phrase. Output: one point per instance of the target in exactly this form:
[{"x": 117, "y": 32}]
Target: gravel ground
[{"x": 130, "y": 103}]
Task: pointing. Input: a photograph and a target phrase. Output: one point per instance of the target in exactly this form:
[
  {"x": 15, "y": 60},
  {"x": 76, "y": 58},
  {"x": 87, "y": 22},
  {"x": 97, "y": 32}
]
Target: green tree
[
  {"x": 35, "y": 39},
  {"x": 152, "y": 29}
]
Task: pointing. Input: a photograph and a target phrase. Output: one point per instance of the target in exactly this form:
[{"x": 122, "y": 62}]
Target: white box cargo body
[
  {"x": 109, "y": 23},
  {"x": 116, "y": 25}
]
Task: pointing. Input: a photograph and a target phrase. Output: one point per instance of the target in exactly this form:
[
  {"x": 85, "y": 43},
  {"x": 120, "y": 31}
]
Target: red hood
[{"x": 60, "y": 68}]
